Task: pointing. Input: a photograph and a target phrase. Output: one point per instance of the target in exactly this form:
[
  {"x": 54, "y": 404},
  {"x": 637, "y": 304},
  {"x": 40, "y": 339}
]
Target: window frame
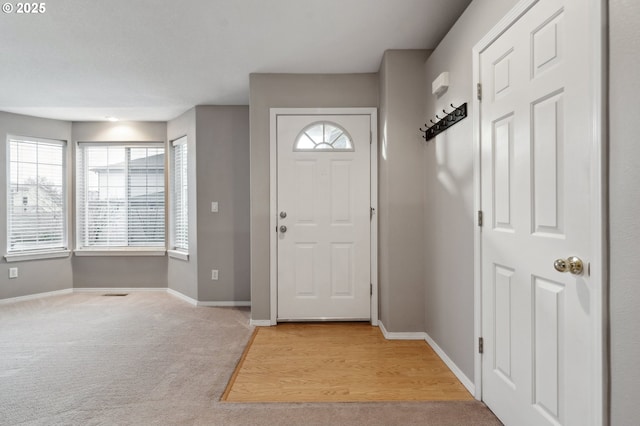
[
  {"x": 38, "y": 252},
  {"x": 175, "y": 251},
  {"x": 80, "y": 200},
  {"x": 324, "y": 123}
]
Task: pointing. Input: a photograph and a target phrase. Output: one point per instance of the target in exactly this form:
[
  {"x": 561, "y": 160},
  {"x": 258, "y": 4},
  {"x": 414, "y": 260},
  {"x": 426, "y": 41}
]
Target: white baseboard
[
  {"x": 452, "y": 365},
  {"x": 213, "y": 304},
  {"x": 260, "y": 323},
  {"x": 172, "y": 292},
  {"x": 437, "y": 349},
  {"x": 182, "y": 297},
  {"x": 118, "y": 289},
  {"x": 216, "y": 304},
  {"x": 36, "y": 296},
  {"x": 391, "y": 335}
]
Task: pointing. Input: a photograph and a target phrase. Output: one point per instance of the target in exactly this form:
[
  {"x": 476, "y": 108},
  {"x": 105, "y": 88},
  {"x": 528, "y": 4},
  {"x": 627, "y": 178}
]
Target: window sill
[
  {"x": 121, "y": 252},
  {"x": 36, "y": 255},
  {"x": 177, "y": 254}
]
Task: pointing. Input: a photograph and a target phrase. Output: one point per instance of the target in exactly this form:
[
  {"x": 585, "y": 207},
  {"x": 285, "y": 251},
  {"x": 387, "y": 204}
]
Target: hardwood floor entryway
[
  {"x": 149, "y": 358},
  {"x": 339, "y": 362}
]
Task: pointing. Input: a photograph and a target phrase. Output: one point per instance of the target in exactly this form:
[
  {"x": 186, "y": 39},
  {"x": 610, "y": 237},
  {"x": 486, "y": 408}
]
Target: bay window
[
  {"x": 36, "y": 197},
  {"x": 120, "y": 196},
  {"x": 179, "y": 196}
]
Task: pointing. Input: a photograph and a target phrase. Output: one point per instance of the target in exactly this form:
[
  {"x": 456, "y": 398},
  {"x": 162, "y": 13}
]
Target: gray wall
[
  {"x": 288, "y": 90},
  {"x": 449, "y": 215},
  {"x": 119, "y": 271},
  {"x": 624, "y": 206},
  {"x": 401, "y": 189},
  {"x": 223, "y": 175},
  {"x": 182, "y": 275},
  {"x": 35, "y": 276}
]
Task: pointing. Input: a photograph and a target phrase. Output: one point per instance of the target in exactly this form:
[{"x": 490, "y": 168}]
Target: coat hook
[{"x": 441, "y": 124}]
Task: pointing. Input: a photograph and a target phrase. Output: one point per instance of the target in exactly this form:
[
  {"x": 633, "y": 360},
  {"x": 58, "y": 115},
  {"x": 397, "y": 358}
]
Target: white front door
[
  {"x": 323, "y": 217},
  {"x": 536, "y": 145}
]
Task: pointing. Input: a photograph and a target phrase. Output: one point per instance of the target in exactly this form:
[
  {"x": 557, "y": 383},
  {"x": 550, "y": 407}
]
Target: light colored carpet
[
  {"x": 340, "y": 362},
  {"x": 149, "y": 358}
]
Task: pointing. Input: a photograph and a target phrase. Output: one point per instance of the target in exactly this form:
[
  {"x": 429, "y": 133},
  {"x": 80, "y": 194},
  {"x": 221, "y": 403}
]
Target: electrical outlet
[
  {"x": 13, "y": 272},
  {"x": 214, "y": 274}
]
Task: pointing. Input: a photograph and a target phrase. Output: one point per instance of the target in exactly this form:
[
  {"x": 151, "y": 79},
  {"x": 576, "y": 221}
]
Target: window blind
[
  {"x": 180, "y": 198},
  {"x": 120, "y": 195},
  {"x": 36, "y": 208}
]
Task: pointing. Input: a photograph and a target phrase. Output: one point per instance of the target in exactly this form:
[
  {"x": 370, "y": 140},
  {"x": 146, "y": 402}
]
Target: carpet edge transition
[{"x": 236, "y": 371}]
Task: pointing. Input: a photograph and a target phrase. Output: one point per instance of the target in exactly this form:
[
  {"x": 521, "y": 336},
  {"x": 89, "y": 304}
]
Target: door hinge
[
  {"x": 480, "y": 345},
  {"x": 479, "y": 91},
  {"x": 479, "y": 217},
  {"x": 370, "y": 289},
  {"x": 372, "y": 211}
]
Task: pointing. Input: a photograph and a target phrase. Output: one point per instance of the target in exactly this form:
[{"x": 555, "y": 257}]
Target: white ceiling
[{"x": 154, "y": 59}]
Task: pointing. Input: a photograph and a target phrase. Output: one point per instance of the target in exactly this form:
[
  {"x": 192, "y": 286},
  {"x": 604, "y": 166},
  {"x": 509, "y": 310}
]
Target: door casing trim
[
  {"x": 598, "y": 228},
  {"x": 273, "y": 198}
]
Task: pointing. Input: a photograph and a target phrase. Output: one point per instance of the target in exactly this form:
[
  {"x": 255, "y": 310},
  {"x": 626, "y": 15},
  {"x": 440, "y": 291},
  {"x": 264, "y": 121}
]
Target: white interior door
[
  {"x": 536, "y": 139},
  {"x": 323, "y": 217}
]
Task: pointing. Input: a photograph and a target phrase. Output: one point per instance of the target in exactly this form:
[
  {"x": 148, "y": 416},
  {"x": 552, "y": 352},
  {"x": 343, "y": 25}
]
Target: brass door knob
[{"x": 572, "y": 264}]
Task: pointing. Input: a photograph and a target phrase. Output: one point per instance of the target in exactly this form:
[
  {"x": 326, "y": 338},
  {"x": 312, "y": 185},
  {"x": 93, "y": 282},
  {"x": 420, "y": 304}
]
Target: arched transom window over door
[{"x": 323, "y": 135}]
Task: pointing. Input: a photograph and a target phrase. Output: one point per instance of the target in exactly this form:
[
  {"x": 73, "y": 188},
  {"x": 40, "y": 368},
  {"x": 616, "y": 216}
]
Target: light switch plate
[{"x": 214, "y": 207}]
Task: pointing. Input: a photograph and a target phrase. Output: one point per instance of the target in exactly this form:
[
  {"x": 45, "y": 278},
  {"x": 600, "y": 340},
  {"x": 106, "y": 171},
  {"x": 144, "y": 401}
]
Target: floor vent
[{"x": 116, "y": 294}]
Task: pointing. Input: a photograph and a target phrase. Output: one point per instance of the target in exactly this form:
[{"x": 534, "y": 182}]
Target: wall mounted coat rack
[{"x": 445, "y": 122}]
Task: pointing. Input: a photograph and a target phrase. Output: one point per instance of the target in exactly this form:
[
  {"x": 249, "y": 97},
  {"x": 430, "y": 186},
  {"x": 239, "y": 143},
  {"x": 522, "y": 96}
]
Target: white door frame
[
  {"x": 273, "y": 190},
  {"x": 599, "y": 266}
]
